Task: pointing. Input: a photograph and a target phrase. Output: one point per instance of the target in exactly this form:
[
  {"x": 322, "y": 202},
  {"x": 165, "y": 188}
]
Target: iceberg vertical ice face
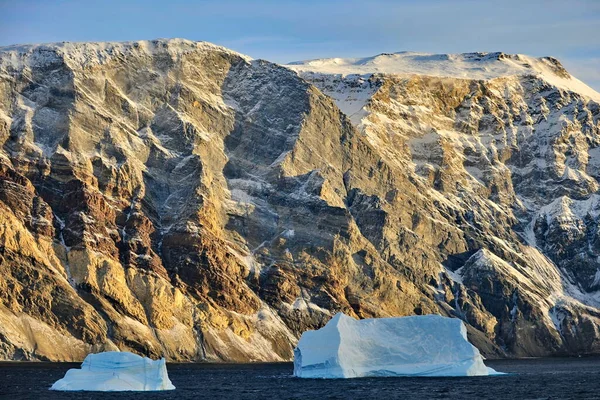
[
  {"x": 428, "y": 345},
  {"x": 116, "y": 371}
]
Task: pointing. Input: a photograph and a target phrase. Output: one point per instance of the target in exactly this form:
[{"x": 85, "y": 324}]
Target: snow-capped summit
[
  {"x": 482, "y": 66},
  {"x": 95, "y": 53}
]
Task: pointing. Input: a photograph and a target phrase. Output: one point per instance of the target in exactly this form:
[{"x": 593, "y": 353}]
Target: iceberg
[
  {"x": 424, "y": 345},
  {"x": 116, "y": 371}
]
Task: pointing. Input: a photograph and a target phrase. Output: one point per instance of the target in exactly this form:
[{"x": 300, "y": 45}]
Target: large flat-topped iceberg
[
  {"x": 116, "y": 371},
  {"x": 428, "y": 345}
]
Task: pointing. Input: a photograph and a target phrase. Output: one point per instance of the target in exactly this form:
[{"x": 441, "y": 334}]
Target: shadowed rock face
[{"x": 177, "y": 199}]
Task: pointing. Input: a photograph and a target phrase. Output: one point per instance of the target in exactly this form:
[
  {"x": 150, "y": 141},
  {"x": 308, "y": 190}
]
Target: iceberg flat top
[
  {"x": 428, "y": 345},
  {"x": 481, "y": 66},
  {"x": 116, "y": 371}
]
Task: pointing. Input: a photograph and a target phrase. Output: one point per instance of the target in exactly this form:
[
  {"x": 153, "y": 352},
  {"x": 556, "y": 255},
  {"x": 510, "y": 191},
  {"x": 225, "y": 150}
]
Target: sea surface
[{"x": 555, "y": 378}]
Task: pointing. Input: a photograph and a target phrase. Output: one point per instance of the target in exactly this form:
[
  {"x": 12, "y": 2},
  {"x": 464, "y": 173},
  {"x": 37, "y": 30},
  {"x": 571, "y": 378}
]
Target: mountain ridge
[
  {"x": 476, "y": 65},
  {"x": 179, "y": 199}
]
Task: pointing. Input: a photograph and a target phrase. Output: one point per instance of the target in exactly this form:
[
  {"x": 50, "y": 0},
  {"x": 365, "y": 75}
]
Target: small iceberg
[
  {"x": 424, "y": 345},
  {"x": 116, "y": 371}
]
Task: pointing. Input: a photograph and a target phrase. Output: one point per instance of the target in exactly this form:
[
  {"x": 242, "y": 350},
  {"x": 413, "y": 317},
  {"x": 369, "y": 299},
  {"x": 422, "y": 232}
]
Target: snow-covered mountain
[
  {"x": 176, "y": 198},
  {"x": 481, "y": 66},
  {"x": 511, "y": 144},
  {"x": 473, "y": 66}
]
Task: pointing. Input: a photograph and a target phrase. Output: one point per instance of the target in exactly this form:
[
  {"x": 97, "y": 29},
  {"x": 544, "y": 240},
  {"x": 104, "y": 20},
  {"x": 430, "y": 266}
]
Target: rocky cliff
[{"x": 176, "y": 198}]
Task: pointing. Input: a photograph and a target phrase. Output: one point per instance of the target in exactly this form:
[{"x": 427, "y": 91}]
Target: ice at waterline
[
  {"x": 116, "y": 371},
  {"x": 426, "y": 345}
]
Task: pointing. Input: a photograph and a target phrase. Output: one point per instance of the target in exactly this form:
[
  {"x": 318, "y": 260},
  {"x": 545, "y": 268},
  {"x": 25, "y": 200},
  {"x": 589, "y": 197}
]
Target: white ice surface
[
  {"x": 428, "y": 345},
  {"x": 116, "y": 371}
]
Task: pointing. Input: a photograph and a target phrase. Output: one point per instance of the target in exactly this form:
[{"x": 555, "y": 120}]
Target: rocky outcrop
[
  {"x": 508, "y": 163},
  {"x": 177, "y": 199}
]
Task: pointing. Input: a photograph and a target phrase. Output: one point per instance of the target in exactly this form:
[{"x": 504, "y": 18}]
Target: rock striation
[{"x": 174, "y": 198}]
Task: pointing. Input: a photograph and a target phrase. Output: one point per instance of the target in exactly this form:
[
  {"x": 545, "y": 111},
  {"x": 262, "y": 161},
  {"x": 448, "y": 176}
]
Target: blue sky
[{"x": 284, "y": 31}]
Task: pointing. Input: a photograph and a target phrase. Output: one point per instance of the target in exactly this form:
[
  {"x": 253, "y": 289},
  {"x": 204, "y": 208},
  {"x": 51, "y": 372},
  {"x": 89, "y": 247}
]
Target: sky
[{"x": 284, "y": 31}]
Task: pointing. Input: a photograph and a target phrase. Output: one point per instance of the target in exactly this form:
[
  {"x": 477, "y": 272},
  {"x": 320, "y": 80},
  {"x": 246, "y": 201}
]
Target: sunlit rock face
[
  {"x": 174, "y": 198},
  {"x": 506, "y": 149}
]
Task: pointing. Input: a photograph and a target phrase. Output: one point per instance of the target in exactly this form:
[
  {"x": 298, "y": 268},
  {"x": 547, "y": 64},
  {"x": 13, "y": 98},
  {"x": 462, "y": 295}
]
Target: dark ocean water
[{"x": 559, "y": 378}]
